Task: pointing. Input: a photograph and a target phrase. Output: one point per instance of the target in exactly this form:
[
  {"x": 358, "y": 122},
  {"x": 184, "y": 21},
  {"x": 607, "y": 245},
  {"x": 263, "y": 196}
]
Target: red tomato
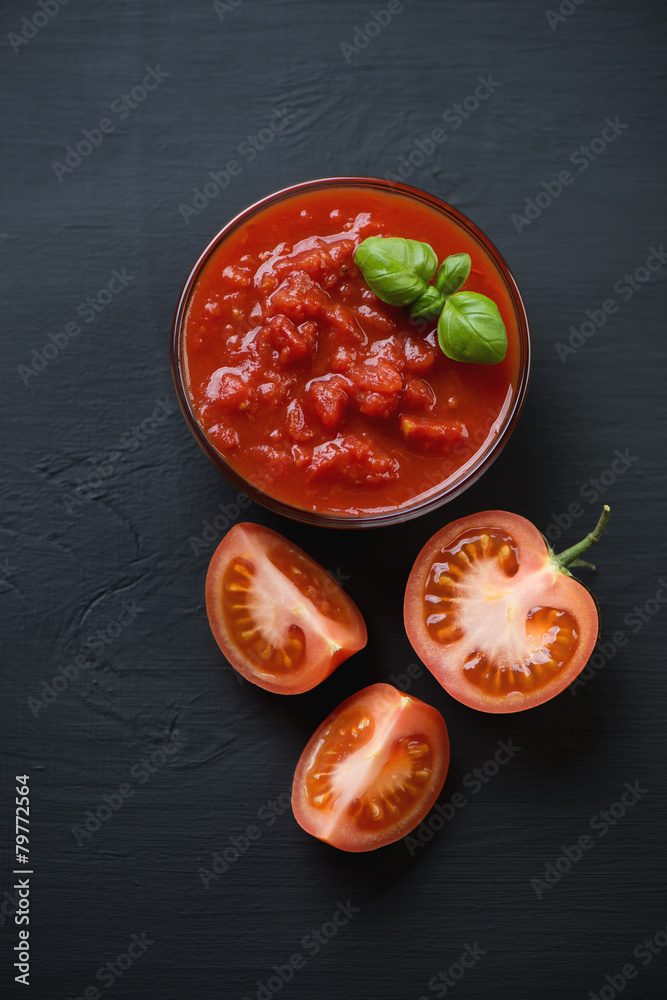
[
  {"x": 372, "y": 770},
  {"x": 496, "y": 616},
  {"x": 280, "y": 619}
]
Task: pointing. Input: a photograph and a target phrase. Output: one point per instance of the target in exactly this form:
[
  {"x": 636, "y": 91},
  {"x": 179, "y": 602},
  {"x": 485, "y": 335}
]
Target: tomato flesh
[
  {"x": 372, "y": 770},
  {"x": 494, "y": 619},
  {"x": 280, "y": 619},
  {"x": 241, "y": 619}
]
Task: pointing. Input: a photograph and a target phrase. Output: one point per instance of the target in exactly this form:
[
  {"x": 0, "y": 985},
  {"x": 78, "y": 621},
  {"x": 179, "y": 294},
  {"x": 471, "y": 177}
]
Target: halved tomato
[
  {"x": 372, "y": 770},
  {"x": 280, "y": 619},
  {"x": 496, "y": 616}
]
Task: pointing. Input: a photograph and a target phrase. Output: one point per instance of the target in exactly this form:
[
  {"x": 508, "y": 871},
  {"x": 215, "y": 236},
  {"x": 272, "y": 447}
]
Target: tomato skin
[
  {"x": 400, "y": 726},
  {"x": 251, "y": 591},
  {"x": 474, "y": 664}
]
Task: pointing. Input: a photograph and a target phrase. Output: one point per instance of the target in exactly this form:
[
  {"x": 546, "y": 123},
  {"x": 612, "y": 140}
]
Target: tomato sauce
[{"x": 314, "y": 390}]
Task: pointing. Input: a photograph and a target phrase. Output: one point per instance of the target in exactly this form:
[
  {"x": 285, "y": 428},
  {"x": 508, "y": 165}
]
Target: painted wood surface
[{"x": 106, "y": 500}]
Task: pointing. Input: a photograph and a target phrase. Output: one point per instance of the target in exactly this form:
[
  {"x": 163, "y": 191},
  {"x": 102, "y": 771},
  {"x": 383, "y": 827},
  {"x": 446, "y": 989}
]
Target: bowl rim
[{"x": 338, "y": 519}]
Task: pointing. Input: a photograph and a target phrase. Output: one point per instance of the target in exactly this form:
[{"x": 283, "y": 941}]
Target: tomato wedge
[
  {"x": 280, "y": 619},
  {"x": 372, "y": 770},
  {"x": 496, "y": 616}
]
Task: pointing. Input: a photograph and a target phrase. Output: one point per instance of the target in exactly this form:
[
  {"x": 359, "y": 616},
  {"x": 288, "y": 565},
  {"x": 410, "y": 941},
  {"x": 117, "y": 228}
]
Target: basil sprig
[
  {"x": 470, "y": 327},
  {"x": 397, "y": 270},
  {"x": 452, "y": 273},
  {"x": 429, "y": 305}
]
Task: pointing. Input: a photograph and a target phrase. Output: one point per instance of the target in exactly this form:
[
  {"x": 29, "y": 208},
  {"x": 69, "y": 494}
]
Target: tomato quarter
[
  {"x": 280, "y": 619},
  {"x": 372, "y": 770},
  {"x": 496, "y": 616}
]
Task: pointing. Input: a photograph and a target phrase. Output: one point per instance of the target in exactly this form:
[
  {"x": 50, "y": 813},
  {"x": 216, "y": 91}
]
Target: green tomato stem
[
  {"x": 582, "y": 563},
  {"x": 568, "y": 557}
]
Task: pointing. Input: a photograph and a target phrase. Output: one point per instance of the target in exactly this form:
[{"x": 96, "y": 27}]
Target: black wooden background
[{"x": 107, "y": 502}]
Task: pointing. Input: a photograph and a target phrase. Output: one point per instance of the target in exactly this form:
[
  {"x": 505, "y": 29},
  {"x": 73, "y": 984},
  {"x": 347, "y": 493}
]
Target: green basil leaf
[
  {"x": 429, "y": 305},
  {"x": 471, "y": 329},
  {"x": 451, "y": 274},
  {"x": 397, "y": 270}
]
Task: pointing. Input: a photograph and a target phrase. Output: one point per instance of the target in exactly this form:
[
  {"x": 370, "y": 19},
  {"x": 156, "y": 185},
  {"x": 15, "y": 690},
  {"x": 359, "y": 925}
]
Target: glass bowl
[{"x": 432, "y": 496}]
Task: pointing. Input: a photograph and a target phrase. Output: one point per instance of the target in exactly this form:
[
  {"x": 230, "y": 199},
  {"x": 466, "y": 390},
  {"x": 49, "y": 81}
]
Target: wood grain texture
[{"x": 70, "y": 562}]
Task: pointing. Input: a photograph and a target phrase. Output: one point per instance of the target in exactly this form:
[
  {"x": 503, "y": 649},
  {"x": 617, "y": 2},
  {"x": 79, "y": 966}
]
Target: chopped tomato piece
[
  {"x": 353, "y": 460},
  {"x": 435, "y": 436},
  {"x": 290, "y": 343},
  {"x": 240, "y": 277},
  {"x": 372, "y": 770},
  {"x": 229, "y": 391},
  {"x": 330, "y": 399},
  {"x": 323, "y": 262},
  {"x": 225, "y": 438},
  {"x": 297, "y": 428},
  {"x": 280, "y": 619},
  {"x": 375, "y": 404},
  {"x": 299, "y": 298},
  {"x": 343, "y": 359},
  {"x": 390, "y": 350},
  {"x": 376, "y": 321},
  {"x": 417, "y": 395},
  {"x": 378, "y": 383},
  {"x": 308, "y": 331},
  {"x": 378, "y": 375},
  {"x": 419, "y": 355}
]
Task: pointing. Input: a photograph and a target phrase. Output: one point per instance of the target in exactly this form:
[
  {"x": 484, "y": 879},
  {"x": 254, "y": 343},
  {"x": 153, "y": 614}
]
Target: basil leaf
[
  {"x": 451, "y": 274},
  {"x": 471, "y": 329},
  {"x": 428, "y": 306},
  {"x": 397, "y": 270}
]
